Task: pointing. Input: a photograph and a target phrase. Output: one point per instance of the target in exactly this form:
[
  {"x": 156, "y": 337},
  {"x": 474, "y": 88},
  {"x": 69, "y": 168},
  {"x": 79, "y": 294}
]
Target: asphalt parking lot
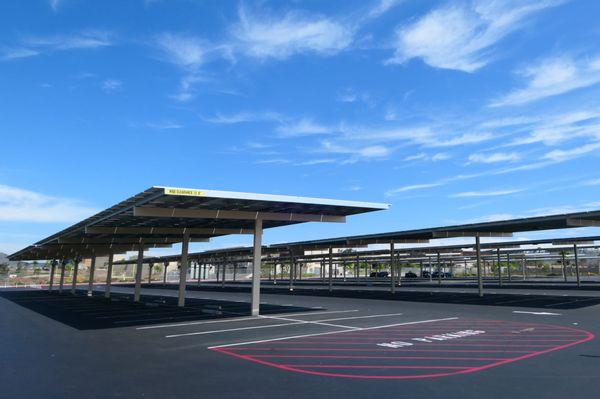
[{"x": 58, "y": 346}]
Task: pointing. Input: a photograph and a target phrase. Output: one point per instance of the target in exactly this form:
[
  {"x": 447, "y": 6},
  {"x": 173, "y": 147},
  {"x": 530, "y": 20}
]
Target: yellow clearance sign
[{"x": 184, "y": 191}]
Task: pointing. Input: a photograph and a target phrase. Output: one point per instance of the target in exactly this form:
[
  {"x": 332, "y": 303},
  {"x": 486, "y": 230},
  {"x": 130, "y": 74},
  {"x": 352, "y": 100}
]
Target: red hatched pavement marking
[{"x": 415, "y": 351}]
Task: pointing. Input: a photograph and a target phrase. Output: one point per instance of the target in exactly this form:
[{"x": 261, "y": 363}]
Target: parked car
[
  {"x": 410, "y": 275},
  {"x": 379, "y": 274},
  {"x": 425, "y": 274},
  {"x": 443, "y": 275}
]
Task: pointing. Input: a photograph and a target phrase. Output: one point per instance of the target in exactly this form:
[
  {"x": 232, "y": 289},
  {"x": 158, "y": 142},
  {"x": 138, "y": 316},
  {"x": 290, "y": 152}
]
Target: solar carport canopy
[
  {"x": 501, "y": 228},
  {"x": 160, "y": 216}
]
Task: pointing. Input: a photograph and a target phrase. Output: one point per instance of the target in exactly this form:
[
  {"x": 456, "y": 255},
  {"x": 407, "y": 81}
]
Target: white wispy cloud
[
  {"x": 364, "y": 152},
  {"x": 181, "y": 50},
  {"x": 36, "y": 45},
  {"x": 243, "y": 117},
  {"x": 491, "y": 193},
  {"x": 160, "y": 125},
  {"x": 20, "y": 205},
  {"x": 416, "y": 157},
  {"x": 110, "y": 85},
  {"x": 412, "y": 187},
  {"x": 576, "y": 152},
  {"x": 84, "y": 40},
  {"x": 440, "y": 156},
  {"x": 467, "y": 138},
  {"x": 188, "y": 53},
  {"x": 320, "y": 161},
  {"x": 303, "y": 127},
  {"x": 593, "y": 182},
  {"x": 264, "y": 35},
  {"x": 551, "y": 77},
  {"x": 494, "y": 157},
  {"x": 276, "y": 161},
  {"x": 54, "y": 4},
  {"x": 461, "y": 35},
  {"x": 557, "y": 129},
  {"x": 349, "y": 95},
  {"x": 382, "y": 7},
  {"x": 15, "y": 53}
]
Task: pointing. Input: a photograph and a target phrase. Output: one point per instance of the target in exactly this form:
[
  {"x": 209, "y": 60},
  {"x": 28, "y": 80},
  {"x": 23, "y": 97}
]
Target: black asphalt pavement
[{"x": 309, "y": 344}]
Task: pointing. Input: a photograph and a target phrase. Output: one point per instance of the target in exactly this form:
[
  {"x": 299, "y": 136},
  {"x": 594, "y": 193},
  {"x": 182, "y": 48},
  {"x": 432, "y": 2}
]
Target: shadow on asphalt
[
  {"x": 469, "y": 298},
  {"x": 91, "y": 313}
]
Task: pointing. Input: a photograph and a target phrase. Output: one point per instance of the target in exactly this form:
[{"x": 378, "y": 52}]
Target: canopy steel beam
[
  {"x": 575, "y": 222},
  {"x": 451, "y": 234},
  {"x": 125, "y": 240},
  {"x": 235, "y": 215},
  {"x": 164, "y": 230}
]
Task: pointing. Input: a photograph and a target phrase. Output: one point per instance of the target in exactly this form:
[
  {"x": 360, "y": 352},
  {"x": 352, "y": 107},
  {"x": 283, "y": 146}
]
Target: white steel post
[
  {"x": 330, "y": 268},
  {"x": 108, "y": 275},
  {"x": 256, "y": 266},
  {"x": 52, "y": 269},
  {"x": 138, "y": 275},
  {"x": 91, "y": 279},
  {"x": 75, "y": 271},
  {"x": 393, "y": 283},
  {"x": 61, "y": 282},
  {"x": 183, "y": 270},
  {"x": 479, "y": 279},
  {"x": 576, "y": 265},
  {"x": 499, "y": 268}
]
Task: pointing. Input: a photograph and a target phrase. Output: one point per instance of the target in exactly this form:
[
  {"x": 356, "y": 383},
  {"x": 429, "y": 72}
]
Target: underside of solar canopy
[
  {"x": 160, "y": 216},
  {"x": 502, "y": 228},
  {"x": 277, "y": 254}
]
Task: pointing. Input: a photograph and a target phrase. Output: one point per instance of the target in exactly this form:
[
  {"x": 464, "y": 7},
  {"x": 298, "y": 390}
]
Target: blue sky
[{"x": 451, "y": 111}]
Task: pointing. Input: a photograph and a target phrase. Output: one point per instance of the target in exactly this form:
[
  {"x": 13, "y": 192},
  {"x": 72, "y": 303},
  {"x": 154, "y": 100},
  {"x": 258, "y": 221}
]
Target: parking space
[{"x": 299, "y": 344}]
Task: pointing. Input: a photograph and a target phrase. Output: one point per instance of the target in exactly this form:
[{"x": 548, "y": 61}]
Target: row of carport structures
[
  {"x": 162, "y": 216},
  {"x": 431, "y": 262}
]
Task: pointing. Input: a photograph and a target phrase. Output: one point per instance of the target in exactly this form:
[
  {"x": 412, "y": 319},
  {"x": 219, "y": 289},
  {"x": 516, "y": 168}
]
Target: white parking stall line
[
  {"x": 192, "y": 323},
  {"x": 573, "y": 301},
  {"x": 537, "y": 313},
  {"x": 318, "y": 322},
  {"x": 230, "y": 329},
  {"x": 332, "y": 332},
  {"x": 364, "y": 317}
]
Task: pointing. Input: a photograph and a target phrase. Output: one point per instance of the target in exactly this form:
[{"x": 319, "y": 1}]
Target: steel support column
[
  {"x": 223, "y": 274},
  {"x": 499, "y": 268},
  {"x": 108, "y": 275},
  {"x": 479, "y": 279},
  {"x": 185, "y": 244},
  {"x": 564, "y": 267},
  {"x": 439, "y": 270},
  {"x": 52, "y": 269},
  {"x": 256, "y": 265},
  {"x": 137, "y": 291},
  {"x": 61, "y": 282},
  {"x": 330, "y": 268},
  {"x": 392, "y": 259},
  {"x": 576, "y": 265},
  {"x": 75, "y": 272},
  {"x": 90, "y": 289},
  {"x": 292, "y": 272},
  {"x": 165, "y": 265}
]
